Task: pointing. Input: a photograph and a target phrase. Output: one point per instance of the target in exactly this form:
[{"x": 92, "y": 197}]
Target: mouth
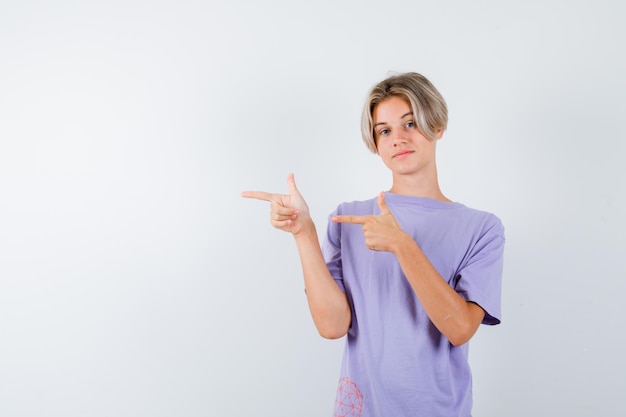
[{"x": 402, "y": 154}]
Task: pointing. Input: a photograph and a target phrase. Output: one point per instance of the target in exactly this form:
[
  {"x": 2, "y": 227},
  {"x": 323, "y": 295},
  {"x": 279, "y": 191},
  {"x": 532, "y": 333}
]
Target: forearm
[
  {"x": 328, "y": 304},
  {"x": 455, "y": 318}
]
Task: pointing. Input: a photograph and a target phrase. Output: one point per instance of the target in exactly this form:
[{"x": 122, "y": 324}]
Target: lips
[{"x": 402, "y": 153}]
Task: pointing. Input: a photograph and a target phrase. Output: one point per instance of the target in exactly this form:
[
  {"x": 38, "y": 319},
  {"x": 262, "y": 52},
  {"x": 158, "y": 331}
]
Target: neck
[{"x": 422, "y": 186}]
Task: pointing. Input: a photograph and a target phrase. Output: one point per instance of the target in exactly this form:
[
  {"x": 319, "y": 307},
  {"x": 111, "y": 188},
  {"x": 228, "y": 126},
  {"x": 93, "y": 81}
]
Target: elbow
[
  {"x": 332, "y": 336},
  {"x": 458, "y": 340},
  {"x": 462, "y": 336},
  {"x": 332, "y": 333},
  {"x": 462, "y": 330},
  {"x": 333, "y": 329},
  {"x": 333, "y": 326}
]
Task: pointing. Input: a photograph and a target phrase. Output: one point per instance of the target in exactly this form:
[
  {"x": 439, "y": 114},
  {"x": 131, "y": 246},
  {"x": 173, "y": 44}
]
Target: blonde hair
[{"x": 428, "y": 106}]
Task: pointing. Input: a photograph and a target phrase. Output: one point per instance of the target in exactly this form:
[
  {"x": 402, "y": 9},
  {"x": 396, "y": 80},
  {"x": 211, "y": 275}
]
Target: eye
[
  {"x": 410, "y": 125},
  {"x": 383, "y": 132}
]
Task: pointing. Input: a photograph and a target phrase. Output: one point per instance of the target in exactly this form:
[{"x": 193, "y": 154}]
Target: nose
[{"x": 399, "y": 137}]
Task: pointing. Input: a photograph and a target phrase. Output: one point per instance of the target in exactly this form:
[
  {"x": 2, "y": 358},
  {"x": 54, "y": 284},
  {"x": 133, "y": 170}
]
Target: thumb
[
  {"x": 382, "y": 204},
  {"x": 291, "y": 183}
]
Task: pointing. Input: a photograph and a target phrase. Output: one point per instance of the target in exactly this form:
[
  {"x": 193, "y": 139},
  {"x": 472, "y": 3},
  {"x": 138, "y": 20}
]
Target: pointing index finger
[
  {"x": 261, "y": 195},
  {"x": 350, "y": 219}
]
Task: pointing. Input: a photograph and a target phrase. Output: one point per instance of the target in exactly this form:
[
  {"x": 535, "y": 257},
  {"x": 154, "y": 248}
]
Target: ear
[{"x": 439, "y": 134}]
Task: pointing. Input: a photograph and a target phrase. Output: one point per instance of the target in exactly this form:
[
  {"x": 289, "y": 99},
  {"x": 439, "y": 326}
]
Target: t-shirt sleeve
[
  {"x": 331, "y": 249},
  {"x": 479, "y": 279}
]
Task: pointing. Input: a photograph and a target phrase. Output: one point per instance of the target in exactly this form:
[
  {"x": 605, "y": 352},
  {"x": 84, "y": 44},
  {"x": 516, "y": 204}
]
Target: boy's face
[{"x": 400, "y": 144}]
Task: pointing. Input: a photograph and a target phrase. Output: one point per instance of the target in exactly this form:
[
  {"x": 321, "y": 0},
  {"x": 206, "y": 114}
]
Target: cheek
[
  {"x": 385, "y": 156},
  {"x": 385, "y": 150}
]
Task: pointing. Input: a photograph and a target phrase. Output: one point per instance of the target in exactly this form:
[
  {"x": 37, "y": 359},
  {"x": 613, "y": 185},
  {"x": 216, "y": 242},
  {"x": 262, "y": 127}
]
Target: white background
[{"x": 135, "y": 281}]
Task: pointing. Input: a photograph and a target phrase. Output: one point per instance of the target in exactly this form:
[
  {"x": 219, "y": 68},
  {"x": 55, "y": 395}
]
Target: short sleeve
[
  {"x": 331, "y": 249},
  {"x": 479, "y": 278}
]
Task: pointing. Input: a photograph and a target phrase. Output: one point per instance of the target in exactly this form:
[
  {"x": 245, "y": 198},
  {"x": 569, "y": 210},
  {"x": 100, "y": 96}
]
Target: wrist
[
  {"x": 403, "y": 243},
  {"x": 306, "y": 231}
]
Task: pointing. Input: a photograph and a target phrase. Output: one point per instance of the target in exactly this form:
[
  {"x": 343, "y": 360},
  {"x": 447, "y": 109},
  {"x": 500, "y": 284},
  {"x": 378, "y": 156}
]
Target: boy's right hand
[{"x": 289, "y": 212}]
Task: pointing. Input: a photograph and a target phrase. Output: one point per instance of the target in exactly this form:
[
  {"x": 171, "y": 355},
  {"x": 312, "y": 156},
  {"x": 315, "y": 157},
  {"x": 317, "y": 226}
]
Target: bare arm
[
  {"x": 328, "y": 304},
  {"x": 455, "y": 318}
]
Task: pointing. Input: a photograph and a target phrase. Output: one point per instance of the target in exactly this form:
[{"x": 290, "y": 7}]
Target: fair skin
[{"x": 411, "y": 159}]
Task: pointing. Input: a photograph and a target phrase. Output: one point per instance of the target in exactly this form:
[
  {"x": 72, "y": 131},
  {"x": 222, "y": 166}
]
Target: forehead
[{"x": 391, "y": 108}]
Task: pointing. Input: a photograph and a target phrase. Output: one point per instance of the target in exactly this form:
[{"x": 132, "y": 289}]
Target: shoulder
[
  {"x": 484, "y": 220},
  {"x": 480, "y": 230},
  {"x": 477, "y": 213}
]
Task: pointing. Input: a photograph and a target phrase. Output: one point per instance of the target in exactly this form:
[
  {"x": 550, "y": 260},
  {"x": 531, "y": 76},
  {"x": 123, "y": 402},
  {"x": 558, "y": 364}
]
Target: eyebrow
[{"x": 403, "y": 116}]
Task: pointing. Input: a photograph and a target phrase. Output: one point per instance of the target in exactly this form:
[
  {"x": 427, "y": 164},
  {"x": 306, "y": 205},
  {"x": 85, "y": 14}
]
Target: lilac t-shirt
[{"x": 396, "y": 362}]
